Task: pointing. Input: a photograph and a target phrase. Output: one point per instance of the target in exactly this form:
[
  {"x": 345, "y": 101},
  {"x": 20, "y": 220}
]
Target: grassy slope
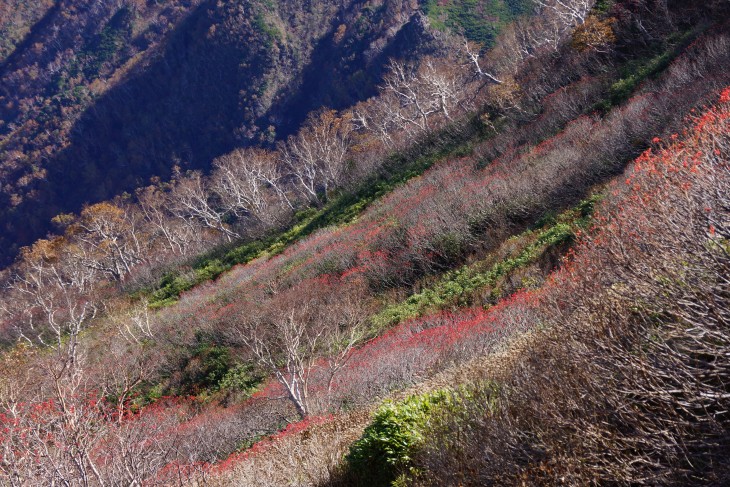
[
  {"x": 340, "y": 210},
  {"x": 479, "y": 20},
  {"x": 456, "y": 287},
  {"x": 399, "y": 169},
  {"x": 448, "y": 291},
  {"x": 616, "y": 335},
  {"x": 452, "y": 288},
  {"x": 402, "y": 427},
  {"x": 479, "y": 282}
]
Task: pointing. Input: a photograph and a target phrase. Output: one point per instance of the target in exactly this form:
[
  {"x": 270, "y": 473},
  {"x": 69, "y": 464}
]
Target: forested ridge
[
  {"x": 365, "y": 243},
  {"x": 102, "y": 96}
]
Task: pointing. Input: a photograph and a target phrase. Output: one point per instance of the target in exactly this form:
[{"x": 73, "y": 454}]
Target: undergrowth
[
  {"x": 458, "y": 288},
  {"x": 340, "y": 210},
  {"x": 383, "y": 454},
  {"x": 398, "y": 169},
  {"x": 636, "y": 71}
]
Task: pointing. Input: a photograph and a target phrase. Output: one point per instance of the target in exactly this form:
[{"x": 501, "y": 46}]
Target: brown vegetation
[
  {"x": 628, "y": 383},
  {"x": 82, "y": 381}
]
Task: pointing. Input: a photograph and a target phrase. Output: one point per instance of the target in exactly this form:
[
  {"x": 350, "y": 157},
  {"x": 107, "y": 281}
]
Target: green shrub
[
  {"x": 457, "y": 287},
  {"x": 479, "y": 20},
  {"x": 213, "y": 362},
  {"x": 242, "y": 378},
  {"x": 637, "y": 71},
  {"x": 340, "y": 210},
  {"x": 396, "y": 429},
  {"x": 383, "y": 455}
]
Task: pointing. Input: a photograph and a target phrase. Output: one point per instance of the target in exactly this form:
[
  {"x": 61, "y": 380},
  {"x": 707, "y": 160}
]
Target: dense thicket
[
  {"x": 627, "y": 384},
  {"x": 101, "y": 97},
  {"x": 485, "y": 158}
]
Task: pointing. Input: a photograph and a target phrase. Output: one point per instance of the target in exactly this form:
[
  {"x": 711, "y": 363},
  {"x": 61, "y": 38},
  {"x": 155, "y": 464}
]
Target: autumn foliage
[
  {"x": 628, "y": 381},
  {"x": 265, "y": 371}
]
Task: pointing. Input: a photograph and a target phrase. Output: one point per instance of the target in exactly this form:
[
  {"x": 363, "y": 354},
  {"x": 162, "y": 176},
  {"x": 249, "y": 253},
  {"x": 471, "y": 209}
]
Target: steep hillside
[
  {"x": 17, "y": 19},
  {"x": 624, "y": 380},
  {"x": 97, "y": 99},
  {"x": 506, "y": 266}
]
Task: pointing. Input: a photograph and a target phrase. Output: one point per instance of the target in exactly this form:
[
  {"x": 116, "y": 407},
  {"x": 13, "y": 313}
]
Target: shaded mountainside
[
  {"x": 98, "y": 99},
  {"x": 507, "y": 267},
  {"x": 18, "y": 21}
]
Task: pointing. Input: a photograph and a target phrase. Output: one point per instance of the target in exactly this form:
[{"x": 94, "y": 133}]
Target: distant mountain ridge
[
  {"x": 109, "y": 94},
  {"x": 507, "y": 267}
]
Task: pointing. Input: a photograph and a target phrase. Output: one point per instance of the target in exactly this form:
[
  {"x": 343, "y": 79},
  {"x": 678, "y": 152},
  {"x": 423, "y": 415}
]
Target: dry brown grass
[
  {"x": 307, "y": 458},
  {"x": 629, "y": 383}
]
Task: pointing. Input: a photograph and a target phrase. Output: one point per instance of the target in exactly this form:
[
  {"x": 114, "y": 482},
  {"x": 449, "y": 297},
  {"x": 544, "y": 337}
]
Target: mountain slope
[
  {"x": 125, "y": 93},
  {"x": 482, "y": 207}
]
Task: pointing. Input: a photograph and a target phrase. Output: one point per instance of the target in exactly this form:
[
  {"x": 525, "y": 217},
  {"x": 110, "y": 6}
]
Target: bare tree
[
  {"x": 50, "y": 298},
  {"x": 249, "y": 183},
  {"x": 414, "y": 104},
  {"x": 191, "y": 200},
  {"x": 289, "y": 338},
  {"x": 54, "y": 301},
  {"x": 177, "y": 235},
  {"x": 318, "y": 155},
  {"x": 412, "y": 95},
  {"x": 306, "y": 337},
  {"x": 570, "y": 12},
  {"x": 110, "y": 238},
  {"x": 372, "y": 119},
  {"x": 473, "y": 57}
]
